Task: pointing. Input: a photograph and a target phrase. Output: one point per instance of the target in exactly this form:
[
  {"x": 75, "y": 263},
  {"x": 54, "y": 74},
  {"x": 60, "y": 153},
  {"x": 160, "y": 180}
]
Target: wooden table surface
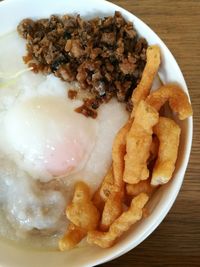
[{"x": 176, "y": 242}]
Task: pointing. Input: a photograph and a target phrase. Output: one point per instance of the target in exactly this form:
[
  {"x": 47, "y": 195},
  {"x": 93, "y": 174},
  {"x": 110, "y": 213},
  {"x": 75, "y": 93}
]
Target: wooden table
[{"x": 176, "y": 242}]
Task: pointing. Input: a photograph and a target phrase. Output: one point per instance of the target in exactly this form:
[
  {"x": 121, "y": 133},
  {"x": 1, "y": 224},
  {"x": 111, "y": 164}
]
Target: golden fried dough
[
  {"x": 138, "y": 143},
  {"x": 168, "y": 133},
  {"x": 72, "y": 237},
  {"x": 112, "y": 209},
  {"x": 112, "y": 188},
  {"x": 142, "y": 187},
  {"x": 82, "y": 212},
  {"x": 154, "y": 148},
  {"x": 120, "y": 225},
  {"x": 107, "y": 185},
  {"x": 148, "y": 75},
  {"x": 178, "y": 100},
  {"x": 105, "y": 189},
  {"x": 98, "y": 201},
  {"x": 118, "y": 153}
]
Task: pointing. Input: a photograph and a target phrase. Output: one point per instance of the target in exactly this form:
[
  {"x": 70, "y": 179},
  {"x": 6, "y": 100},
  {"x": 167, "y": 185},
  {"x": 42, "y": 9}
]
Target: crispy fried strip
[
  {"x": 141, "y": 187},
  {"x": 112, "y": 209},
  {"x": 154, "y": 148},
  {"x": 168, "y": 133},
  {"x": 82, "y": 212},
  {"x": 107, "y": 185},
  {"x": 72, "y": 237},
  {"x": 178, "y": 100},
  {"x": 83, "y": 215},
  {"x": 120, "y": 225},
  {"x": 98, "y": 201},
  {"x": 118, "y": 153},
  {"x": 148, "y": 75},
  {"x": 112, "y": 188},
  {"x": 138, "y": 144},
  {"x": 103, "y": 192}
]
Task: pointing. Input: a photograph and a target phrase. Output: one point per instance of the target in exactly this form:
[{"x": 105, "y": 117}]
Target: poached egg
[{"x": 48, "y": 137}]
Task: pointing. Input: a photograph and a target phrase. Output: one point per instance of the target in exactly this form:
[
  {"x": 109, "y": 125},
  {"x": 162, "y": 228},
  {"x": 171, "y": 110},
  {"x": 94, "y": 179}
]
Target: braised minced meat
[
  {"x": 105, "y": 56},
  {"x": 72, "y": 94}
]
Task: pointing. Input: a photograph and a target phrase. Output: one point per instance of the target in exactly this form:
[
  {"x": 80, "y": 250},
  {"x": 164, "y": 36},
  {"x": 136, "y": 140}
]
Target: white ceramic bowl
[{"x": 11, "y": 12}]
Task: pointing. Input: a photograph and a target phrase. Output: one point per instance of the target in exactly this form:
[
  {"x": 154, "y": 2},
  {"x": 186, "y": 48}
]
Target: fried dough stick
[
  {"x": 98, "y": 201},
  {"x": 121, "y": 224},
  {"x": 138, "y": 143},
  {"x": 114, "y": 202},
  {"x": 81, "y": 211},
  {"x": 154, "y": 148},
  {"x": 72, "y": 237},
  {"x": 145, "y": 186},
  {"x": 142, "y": 187},
  {"x": 178, "y": 100},
  {"x": 168, "y": 133},
  {"x": 118, "y": 153},
  {"x": 83, "y": 215},
  {"x": 148, "y": 75},
  {"x": 111, "y": 205},
  {"x": 105, "y": 189},
  {"x": 114, "y": 177},
  {"x": 107, "y": 185},
  {"x": 113, "y": 209}
]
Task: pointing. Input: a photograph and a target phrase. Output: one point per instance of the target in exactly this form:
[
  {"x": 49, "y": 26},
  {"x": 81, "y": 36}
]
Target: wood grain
[{"x": 176, "y": 242}]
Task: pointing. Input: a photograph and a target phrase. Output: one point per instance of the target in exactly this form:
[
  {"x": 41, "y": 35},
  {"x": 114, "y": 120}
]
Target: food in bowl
[
  {"x": 135, "y": 174},
  {"x": 47, "y": 146}
]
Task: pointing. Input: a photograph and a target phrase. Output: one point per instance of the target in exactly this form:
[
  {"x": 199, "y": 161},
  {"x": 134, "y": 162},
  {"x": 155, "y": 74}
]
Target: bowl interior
[{"x": 11, "y": 12}]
